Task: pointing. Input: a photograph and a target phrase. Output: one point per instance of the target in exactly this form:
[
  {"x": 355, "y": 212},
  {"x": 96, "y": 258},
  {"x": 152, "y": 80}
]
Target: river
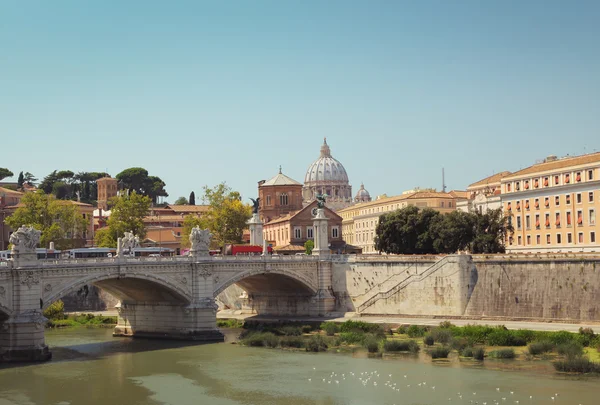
[{"x": 91, "y": 367}]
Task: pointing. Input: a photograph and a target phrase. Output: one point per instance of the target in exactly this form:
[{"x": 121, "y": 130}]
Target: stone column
[
  {"x": 256, "y": 230},
  {"x": 321, "y": 234}
]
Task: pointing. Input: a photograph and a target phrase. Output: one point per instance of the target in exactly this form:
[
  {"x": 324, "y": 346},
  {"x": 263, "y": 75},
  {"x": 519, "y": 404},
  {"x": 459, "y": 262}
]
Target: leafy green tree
[
  {"x": 407, "y": 231},
  {"x": 226, "y": 219},
  {"x": 60, "y": 222},
  {"x": 137, "y": 179},
  {"x": 192, "y": 199},
  {"x": 181, "y": 201},
  {"x": 309, "y": 245},
  {"x": 189, "y": 222},
  {"x": 491, "y": 230},
  {"x": 453, "y": 232},
  {"x": 29, "y": 178},
  {"x": 4, "y": 173},
  {"x": 126, "y": 215},
  {"x": 21, "y": 179}
]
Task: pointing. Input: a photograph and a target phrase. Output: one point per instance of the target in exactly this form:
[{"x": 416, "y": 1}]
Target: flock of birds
[{"x": 374, "y": 379}]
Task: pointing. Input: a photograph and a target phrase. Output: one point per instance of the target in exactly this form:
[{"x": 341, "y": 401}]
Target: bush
[
  {"x": 501, "y": 336},
  {"x": 352, "y": 337},
  {"x": 401, "y": 346},
  {"x": 479, "y": 353},
  {"x": 439, "y": 352},
  {"x": 467, "y": 351},
  {"x": 230, "y": 323},
  {"x": 473, "y": 333},
  {"x": 443, "y": 336},
  {"x": 353, "y": 326},
  {"x": 331, "y": 328},
  {"x": 586, "y": 337},
  {"x": 371, "y": 343},
  {"x": 402, "y": 330},
  {"x": 446, "y": 325},
  {"x": 290, "y": 331},
  {"x": 292, "y": 341},
  {"x": 428, "y": 340},
  {"x": 459, "y": 343},
  {"x": 570, "y": 349},
  {"x": 414, "y": 331},
  {"x": 271, "y": 340},
  {"x": 558, "y": 338},
  {"x": 260, "y": 339},
  {"x": 306, "y": 328},
  {"x": 577, "y": 365},
  {"x": 55, "y": 311},
  {"x": 503, "y": 354},
  {"x": 316, "y": 343},
  {"x": 61, "y": 323},
  {"x": 537, "y": 348}
]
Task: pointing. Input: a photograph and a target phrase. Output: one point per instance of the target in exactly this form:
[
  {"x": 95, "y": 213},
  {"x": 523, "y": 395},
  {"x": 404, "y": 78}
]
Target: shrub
[
  {"x": 479, "y": 353},
  {"x": 270, "y": 340},
  {"x": 414, "y": 331},
  {"x": 586, "y": 337},
  {"x": 577, "y": 365},
  {"x": 316, "y": 343},
  {"x": 443, "y": 336},
  {"x": 501, "y": 336},
  {"x": 558, "y": 338},
  {"x": 306, "y": 328},
  {"x": 259, "y": 339},
  {"x": 537, "y": 348},
  {"x": 61, "y": 323},
  {"x": 371, "y": 343},
  {"x": 401, "y": 346},
  {"x": 55, "y": 311},
  {"x": 467, "y": 351},
  {"x": 526, "y": 335},
  {"x": 570, "y": 349},
  {"x": 292, "y": 341},
  {"x": 428, "y": 340},
  {"x": 503, "y": 354},
  {"x": 402, "y": 330},
  {"x": 446, "y": 325},
  {"x": 353, "y": 326},
  {"x": 290, "y": 331},
  {"x": 352, "y": 337},
  {"x": 459, "y": 343},
  {"x": 230, "y": 323},
  {"x": 439, "y": 352},
  {"x": 473, "y": 333},
  {"x": 330, "y": 328}
]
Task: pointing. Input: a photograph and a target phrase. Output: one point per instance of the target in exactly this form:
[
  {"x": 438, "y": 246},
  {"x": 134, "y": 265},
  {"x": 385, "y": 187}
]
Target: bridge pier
[
  {"x": 167, "y": 320},
  {"x": 22, "y": 338}
]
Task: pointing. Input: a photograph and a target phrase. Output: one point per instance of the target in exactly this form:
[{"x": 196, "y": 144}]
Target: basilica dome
[
  {"x": 327, "y": 175},
  {"x": 362, "y": 195}
]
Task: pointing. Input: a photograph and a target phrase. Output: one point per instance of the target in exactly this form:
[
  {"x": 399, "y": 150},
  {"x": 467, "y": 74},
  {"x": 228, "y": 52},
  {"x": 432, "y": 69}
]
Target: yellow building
[
  {"x": 359, "y": 221},
  {"x": 553, "y": 205}
]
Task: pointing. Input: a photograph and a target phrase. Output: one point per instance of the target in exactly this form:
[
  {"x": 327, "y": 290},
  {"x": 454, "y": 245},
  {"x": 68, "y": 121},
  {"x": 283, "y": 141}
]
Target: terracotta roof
[
  {"x": 4, "y": 190},
  {"x": 292, "y": 214},
  {"x": 428, "y": 194},
  {"x": 188, "y": 208},
  {"x": 281, "y": 180},
  {"x": 558, "y": 164},
  {"x": 284, "y": 218},
  {"x": 163, "y": 218},
  {"x": 460, "y": 194},
  {"x": 290, "y": 248},
  {"x": 77, "y": 203},
  {"x": 493, "y": 179}
]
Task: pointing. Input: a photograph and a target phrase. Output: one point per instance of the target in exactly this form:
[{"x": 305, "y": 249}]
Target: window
[
  {"x": 567, "y": 178},
  {"x": 547, "y": 202},
  {"x": 538, "y": 240},
  {"x": 556, "y": 180},
  {"x": 591, "y": 196},
  {"x": 592, "y": 237},
  {"x": 449, "y": 204},
  {"x": 529, "y": 239},
  {"x": 509, "y": 207},
  {"x": 569, "y": 238},
  {"x": 519, "y": 240},
  {"x": 558, "y": 219},
  {"x": 508, "y": 187},
  {"x": 334, "y": 232},
  {"x": 548, "y": 239},
  {"x": 568, "y": 218},
  {"x": 309, "y": 232},
  {"x": 526, "y": 184},
  {"x": 579, "y": 217},
  {"x": 518, "y": 205},
  {"x": 283, "y": 199},
  {"x": 592, "y": 216},
  {"x": 580, "y": 237},
  {"x": 526, "y": 204},
  {"x": 442, "y": 204},
  {"x": 547, "y": 223},
  {"x": 537, "y": 204},
  {"x": 578, "y": 198},
  {"x": 519, "y": 222},
  {"x": 527, "y": 222},
  {"x": 517, "y": 186},
  {"x": 557, "y": 201},
  {"x": 545, "y": 181},
  {"x": 578, "y": 177},
  {"x": 536, "y": 183},
  {"x": 297, "y": 232},
  {"x": 590, "y": 175},
  {"x": 568, "y": 199},
  {"x": 269, "y": 200},
  {"x": 537, "y": 221},
  {"x": 558, "y": 238}
]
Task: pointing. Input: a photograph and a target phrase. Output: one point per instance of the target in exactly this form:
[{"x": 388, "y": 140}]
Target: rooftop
[
  {"x": 280, "y": 180},
  {"x": 493, "y": 179},
  {"x": 188, "y": 208},
  {"x": 562, "y": 163}
]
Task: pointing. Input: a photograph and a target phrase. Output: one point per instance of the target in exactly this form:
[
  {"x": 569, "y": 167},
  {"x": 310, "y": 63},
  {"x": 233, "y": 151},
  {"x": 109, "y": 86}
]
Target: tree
[
  {"x": 60, "y": 222},
  {"x": 189, "y": 222},
  {"x": 192, "y": 199},
  {"x": 4, "y": 173},
  {"x": 309, "y": 245},
  {"x": 137, "y": 179},
  {"x": 491, "y": 229},
  {"x": 453, "y": 232},
  {"x": 126, "y": 215},
  {"x": 226, "y": 219},
  {"x": 406, "y": 231},
  {"x": 29, "y": 178},
  {"x": 181, "y": 201},
  {"x": 21, "y": 179}
]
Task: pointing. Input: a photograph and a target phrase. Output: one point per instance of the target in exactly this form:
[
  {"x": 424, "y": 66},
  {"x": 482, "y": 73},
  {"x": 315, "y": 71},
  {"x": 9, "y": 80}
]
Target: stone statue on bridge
[
  {"x": 25, "y": 239},
  {"x": 127, "y": 243},
  {"x": 200, "y": 240}
]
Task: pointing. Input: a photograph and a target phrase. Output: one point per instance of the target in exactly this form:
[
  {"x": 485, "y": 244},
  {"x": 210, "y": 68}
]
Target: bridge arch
[
  {"x": 262, "y": 280},
  {"x": 130, "y": 287}
]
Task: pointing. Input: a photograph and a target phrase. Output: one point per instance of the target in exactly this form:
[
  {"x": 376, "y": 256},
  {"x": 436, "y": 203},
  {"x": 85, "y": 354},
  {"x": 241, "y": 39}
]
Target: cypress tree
[
  {"x": 21, "y": 180},
  {"x": 192, "y": 199}
]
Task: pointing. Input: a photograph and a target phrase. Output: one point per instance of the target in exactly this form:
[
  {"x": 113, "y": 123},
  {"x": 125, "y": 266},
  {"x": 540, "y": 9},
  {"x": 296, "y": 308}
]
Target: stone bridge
[{"x": 166, "y": 297}]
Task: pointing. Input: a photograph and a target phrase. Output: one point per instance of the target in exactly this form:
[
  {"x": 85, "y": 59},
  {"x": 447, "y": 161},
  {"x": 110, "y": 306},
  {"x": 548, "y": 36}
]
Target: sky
[{"x": 203, "y": 92}]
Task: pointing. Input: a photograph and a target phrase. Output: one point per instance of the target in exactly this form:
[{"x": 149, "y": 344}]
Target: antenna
[{"x": 443, "y": 181}]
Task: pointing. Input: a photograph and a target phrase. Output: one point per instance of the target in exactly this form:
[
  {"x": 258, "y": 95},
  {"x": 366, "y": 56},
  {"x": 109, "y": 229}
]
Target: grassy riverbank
[
  {"x": 569, "y": 352},
  {"x": 58, "y": 319}
]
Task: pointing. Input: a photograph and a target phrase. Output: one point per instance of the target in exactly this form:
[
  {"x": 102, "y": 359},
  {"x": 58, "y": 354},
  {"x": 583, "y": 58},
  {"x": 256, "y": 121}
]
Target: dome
[
  {"x": 362, "y": 195},
  {"x": 325, "y": 170}
]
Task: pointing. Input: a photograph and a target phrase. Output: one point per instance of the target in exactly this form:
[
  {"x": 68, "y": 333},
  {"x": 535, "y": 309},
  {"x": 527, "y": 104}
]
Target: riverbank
[{"x": 569, "y": 352}]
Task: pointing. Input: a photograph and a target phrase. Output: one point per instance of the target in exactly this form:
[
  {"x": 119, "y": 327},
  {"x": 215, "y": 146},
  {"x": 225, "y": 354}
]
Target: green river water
[{"x": 91, "y": 367}]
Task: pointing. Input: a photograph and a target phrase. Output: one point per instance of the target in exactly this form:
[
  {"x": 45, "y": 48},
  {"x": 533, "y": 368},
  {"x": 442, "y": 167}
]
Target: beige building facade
[
  {"x": 553, "y": 205},
  {"x": 359, "y": 222},
  {"x": 483, "y": 195}
]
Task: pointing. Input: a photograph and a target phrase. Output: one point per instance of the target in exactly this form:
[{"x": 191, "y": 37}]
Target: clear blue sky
[{"x": 200, "y": 92}]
